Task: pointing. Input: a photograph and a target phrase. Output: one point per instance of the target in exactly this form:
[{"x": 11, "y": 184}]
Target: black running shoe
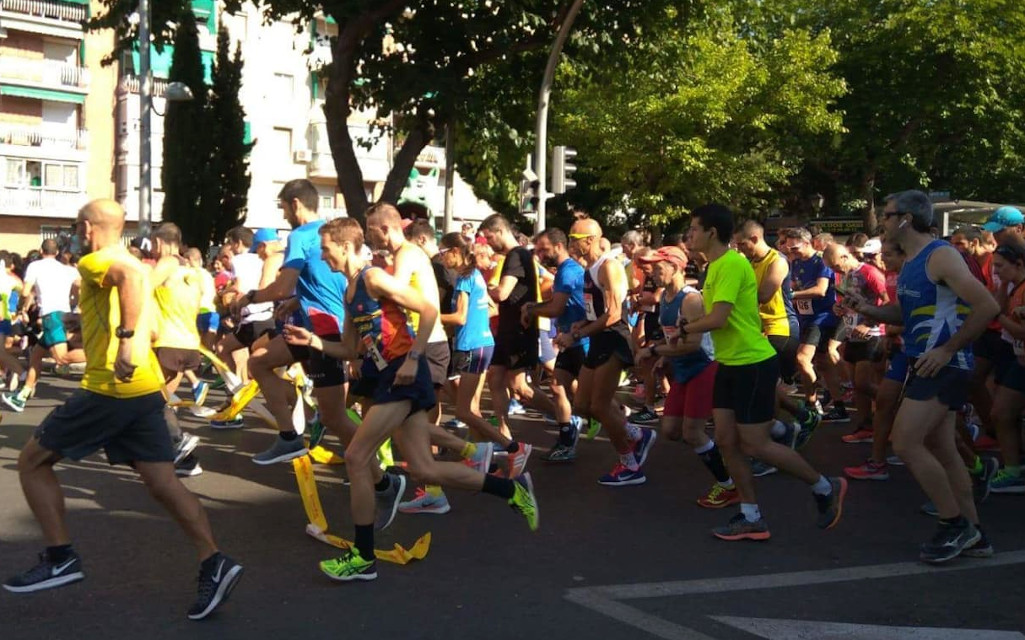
[
  {"x": 218, "y": 575},
  {"x": 47, "y": 574},
  {"x": 808, "y": 427},
  {"x": 981, "y": 549},
  {"x": 831, "y": 506},
  {"x": 980, "y": 483},
  {"x": 949, "y": 541}
]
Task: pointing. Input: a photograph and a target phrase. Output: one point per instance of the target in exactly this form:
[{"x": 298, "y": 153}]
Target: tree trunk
[{"x": 405, "y": 159}]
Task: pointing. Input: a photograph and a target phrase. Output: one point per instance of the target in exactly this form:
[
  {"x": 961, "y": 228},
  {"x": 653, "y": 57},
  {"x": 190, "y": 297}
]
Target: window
[
  {"x": 54, "y": 176},
  {"x": 283, "y": 86},
  {"x": 327, "y": 202},
  {"x": 281, "y": 145}
]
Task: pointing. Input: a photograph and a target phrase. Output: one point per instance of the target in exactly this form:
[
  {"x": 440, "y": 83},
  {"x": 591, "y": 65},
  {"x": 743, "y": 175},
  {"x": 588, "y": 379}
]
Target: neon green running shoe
[
  {"x": 593, "y": 429},
  {"x": 385, "y": 456},
  {"x": 525, "y": 502},
  {"x": 350, "y": 567}
]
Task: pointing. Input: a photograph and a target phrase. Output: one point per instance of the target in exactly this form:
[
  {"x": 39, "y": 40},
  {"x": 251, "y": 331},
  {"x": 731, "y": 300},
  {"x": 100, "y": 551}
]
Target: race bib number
[
  {"x": 850, "y": 320},
  {"x": 804, "y": 307},
  {"x": 374, "y": 353},
  {"x": 589, "y": 307}
]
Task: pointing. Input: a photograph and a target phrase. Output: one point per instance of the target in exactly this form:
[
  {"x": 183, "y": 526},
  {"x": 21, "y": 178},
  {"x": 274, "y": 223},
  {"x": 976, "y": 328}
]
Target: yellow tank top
[
  {"x": 438, "y": 333},
  {"x": 773, "y": 312},
  {"x": 178, "y": 300}
]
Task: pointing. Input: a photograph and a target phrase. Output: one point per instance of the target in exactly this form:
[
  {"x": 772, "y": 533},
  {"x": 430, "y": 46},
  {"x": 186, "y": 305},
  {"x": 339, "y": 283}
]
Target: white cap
[{"x": 873, "y": 246}]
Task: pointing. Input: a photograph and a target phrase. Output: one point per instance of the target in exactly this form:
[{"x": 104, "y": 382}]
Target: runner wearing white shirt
[{"x": 257, "y": 319}]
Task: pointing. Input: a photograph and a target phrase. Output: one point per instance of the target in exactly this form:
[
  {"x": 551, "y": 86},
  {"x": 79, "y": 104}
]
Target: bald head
[
  {"x": 587, "y": 226},
  {"x": 838, "y": 257},
  {"x": 104, "y": 214}
]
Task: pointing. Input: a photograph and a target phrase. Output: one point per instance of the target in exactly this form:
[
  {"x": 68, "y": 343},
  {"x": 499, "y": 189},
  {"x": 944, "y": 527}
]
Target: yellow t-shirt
[
  {"x": 101, "y": 315},
  {"x": 732, "y": 279},
  {"x": 178, "y": 301},
  {"x": 773, "y": 312}
]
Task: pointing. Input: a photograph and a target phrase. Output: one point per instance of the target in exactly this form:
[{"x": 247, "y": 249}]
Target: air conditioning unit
[{"x": 302, "y": 155}]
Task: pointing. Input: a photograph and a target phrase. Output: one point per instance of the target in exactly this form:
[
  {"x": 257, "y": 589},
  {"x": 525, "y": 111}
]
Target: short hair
[
  {"x": 495, "y": 222},
  {"x": 633, "y": 237},
  {"x": 718, "y": 217},
  {"x": 194, "y": 254},
  {"x": 970, "y": 233},
  {"x": 749, "y": 228},
  {"x": 672, "y": 240},
  {"x": 419, "y": 228},
  {"x": 857, "y": 240},
  {"x": 824, "y": 238},
  {"x": 344, "y": 230},
  {"x": 49, "y": 247},
  {"x": 386, "y": 209},
  {"x": 240, "y": 234},
  {"x": 302, "y": 190},
  {"x": 456, "y": 241},
  {"x": 555, "y": 236},
  {"x": 917, "y": 204},
  {"x": 814, "y": 230},
  {"x": 797, "y": 233},
  {"x": 168, "y": 232}
]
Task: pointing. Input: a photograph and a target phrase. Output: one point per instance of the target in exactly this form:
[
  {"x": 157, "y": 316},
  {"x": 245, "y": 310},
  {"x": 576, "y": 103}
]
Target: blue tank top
[
  {"x": 383, "y": 327},
  {"x": 788, "y": 304},
  {"x": 932, "y": 312},
  {"x": 685, "y": 367}
]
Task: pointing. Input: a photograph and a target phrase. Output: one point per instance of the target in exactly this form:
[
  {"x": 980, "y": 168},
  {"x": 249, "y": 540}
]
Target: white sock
[
  {"x": 629, "y": 460},
  {"x": 705, "y": 447},
  {"x": 822, "y": 487},
  {"x": 750, "y": 511}
]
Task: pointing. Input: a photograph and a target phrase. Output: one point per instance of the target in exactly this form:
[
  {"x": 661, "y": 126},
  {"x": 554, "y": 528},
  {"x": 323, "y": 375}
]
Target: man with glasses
[
  {"x": 943, "y": 308},
  {"x": 609, "y": 354},
  {"x": 814, "y": 296},
  {"x": 744, "y": 391}
]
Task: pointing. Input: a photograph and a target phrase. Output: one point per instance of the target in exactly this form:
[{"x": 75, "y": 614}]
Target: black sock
[
  {"x": 211, "y": 561},
  {"x": 567, "y": 434},
  {"x": 513, "y": 447},
  {"x": 288, "y": 436},
  {"x": 840, "y": 406},
  {"x": 365, "y": 541},
  {"x": 501, "y": 487},
  {"x": 959, "y": 521},
  {"x": 383, "y": 485},
  {"x": 713, "y": 460},
  {"x": 59, "y": 553}
]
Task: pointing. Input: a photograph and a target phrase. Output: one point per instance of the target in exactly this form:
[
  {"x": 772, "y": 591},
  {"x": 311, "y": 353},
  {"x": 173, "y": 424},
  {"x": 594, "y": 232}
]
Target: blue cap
[
  {"x": 268, "y": 235},
  {"x": 1002, "y": 218}
]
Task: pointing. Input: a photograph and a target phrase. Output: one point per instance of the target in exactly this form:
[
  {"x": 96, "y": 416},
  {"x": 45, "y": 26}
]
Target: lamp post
[{"x": 175, "y": 92}]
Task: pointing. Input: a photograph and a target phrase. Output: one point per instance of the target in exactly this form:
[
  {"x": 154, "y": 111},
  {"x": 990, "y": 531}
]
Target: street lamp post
[{"x": 541, "y": 151}]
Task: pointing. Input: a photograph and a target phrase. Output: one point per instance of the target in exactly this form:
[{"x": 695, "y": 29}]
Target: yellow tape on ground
[
  {"x": 325, "y": 456},
  {"x": 317, "y": 527},
  {"x": 239, "y": 401}
]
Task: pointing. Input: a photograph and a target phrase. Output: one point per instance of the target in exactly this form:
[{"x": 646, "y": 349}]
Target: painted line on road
[{"x": 606, "y": 600}]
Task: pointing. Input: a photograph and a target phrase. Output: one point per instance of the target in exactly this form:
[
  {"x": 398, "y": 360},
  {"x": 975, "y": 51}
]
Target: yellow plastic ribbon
[
  {"x": 325, "y": 456},
  {"x": 317, "y": 527}
]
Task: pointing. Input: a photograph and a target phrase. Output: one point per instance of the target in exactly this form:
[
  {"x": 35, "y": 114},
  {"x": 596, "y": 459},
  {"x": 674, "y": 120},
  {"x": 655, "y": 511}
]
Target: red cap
[{"x": 666, "y": 254}]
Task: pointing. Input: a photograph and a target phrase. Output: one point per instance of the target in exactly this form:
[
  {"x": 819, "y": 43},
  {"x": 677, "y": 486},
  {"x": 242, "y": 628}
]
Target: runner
[
  {"x": 567, "y": 307},
  {"x": 609, "y": 354},
  {"x": 744, "y": 391},
  {"x": 120, "y": 409},
  {"x": 937, "y": 336},
  {"x": 691, "y": 359},
  {"x": 254, "y": 320},
  {"x": 209, "y": 321},
  {"x": 376, "y": 320}
]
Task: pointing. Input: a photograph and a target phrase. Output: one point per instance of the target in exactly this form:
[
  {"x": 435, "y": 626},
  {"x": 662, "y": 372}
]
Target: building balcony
[
  {"x": 40, "y": 202},
  {"x": 47, "y": 17},
  {"x": 42, "y": 74},
  {"x": 43, "y": 143},
  {"x": 131, "y": 84}
]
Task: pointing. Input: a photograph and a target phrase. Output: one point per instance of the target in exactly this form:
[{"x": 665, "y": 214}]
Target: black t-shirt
[
  {"x": 446, "y": 284},
  {"x": 519, "y": 263}
]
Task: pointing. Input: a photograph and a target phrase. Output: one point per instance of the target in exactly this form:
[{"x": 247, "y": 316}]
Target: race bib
[
  {"x": 851, "y": 320},
  {"x": 589, "y": 307},
  {"x": 374, "y": 353},
  {"x": 671, "y": 333},
  {"x": 804, "y": 307},
  {"x": 544, "y": 324}
]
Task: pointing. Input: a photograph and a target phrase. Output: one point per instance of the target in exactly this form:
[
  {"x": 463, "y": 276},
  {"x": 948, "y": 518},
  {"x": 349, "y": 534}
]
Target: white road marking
[{"x": 815, "y": 630}]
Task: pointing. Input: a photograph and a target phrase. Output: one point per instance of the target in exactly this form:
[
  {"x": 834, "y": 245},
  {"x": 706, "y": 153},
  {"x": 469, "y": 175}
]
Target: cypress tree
[{"x": 229, "y": 161}]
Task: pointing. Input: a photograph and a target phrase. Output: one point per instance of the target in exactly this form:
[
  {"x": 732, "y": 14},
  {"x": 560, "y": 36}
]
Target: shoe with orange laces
[
  {"x": 719, "y": 496},
  {"x": 517, "y": 461},
  {"x": 860, "y": 435}
]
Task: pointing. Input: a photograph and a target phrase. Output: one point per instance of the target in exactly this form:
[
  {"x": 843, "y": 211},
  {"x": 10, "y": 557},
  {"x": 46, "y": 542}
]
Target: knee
[
  {"x": 161, "y": 489},
  {"x": 357, "y": 458},
  {"x": 903, "y": 445}
]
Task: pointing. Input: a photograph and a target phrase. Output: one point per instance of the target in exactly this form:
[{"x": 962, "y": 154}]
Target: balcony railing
[
  {"x": 130, "y": 84},
  {"x": 43, "y": 137},
  {"x": 52, "y": 9},
  {"x": 43, "y": 72},
  {"x": 37, "y": 201}
]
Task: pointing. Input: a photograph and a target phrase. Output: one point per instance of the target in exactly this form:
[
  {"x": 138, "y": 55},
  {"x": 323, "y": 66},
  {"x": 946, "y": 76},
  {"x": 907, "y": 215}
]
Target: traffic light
[
  {"x": 563, "y": 169},
  {"x": 529, "y": 197}
]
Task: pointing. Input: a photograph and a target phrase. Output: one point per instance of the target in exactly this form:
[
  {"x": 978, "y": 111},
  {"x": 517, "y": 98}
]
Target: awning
[{"x": 41, "y": 94}]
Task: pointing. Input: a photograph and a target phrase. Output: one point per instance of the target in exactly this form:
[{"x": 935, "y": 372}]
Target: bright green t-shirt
[{"x": 732, "y": 279}]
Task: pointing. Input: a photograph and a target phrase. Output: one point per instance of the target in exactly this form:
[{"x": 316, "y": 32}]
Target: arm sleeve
[
  {"x": 295, "y": 253},
  {"x": 726, "y": 287},
  {"x": 513, "y": 265}
]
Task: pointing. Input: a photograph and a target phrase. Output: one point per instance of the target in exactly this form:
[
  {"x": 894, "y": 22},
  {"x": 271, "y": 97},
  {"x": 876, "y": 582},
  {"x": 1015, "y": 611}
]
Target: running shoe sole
[
  {"x": 12, "y": 405},
  {"x": 227, "y": 585},
  {"x": 285, "y": 457},
  {"x": 625, "y": 483},
  {"x": 52, "y": 583},
  {"x": 839, "y": 503},
  {"x": 948, "y": 558},
  {"x": 758, "y": 536},
  {"x": 428, "y": 510}
]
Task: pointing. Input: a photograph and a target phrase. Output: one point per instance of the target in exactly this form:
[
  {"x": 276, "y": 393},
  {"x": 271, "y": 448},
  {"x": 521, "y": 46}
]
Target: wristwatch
[
  {"x": 251, "y": 296},
  {"x": 124, "y": 334}
]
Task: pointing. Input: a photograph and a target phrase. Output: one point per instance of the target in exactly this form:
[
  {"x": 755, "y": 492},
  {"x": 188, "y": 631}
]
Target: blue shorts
[
  {"x": 420, "y": 393},
  {"x": 547, "y": 349},
  {"x": 1013, "y": 377},
  {"x": 208, "y": 322},
  {"x": 897, "y": 367},
  {"x": 53, "y": 330},
  {"x": 474, "y": 361},
  {"x": 6, "y": 329}
]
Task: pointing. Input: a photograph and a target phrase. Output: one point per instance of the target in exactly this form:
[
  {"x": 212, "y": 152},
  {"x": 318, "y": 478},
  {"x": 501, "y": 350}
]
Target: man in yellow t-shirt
[
  {"x": 744, "y": 395},
  {"x": 119, "y": 408}
]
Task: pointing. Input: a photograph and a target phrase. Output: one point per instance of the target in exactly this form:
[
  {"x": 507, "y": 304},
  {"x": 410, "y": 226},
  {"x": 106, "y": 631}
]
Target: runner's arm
[
  {"x": 551, "y": 309},
  {"x": 612, "y": 280},
  {"x": 820, "y": 290},
  {"x": 692, "y": 309},
  {"x": 345, "y": 349},
  {"x": 282, "y": 288},
  {"x": 458, "y": 317},
  {"x": 947, "y": 266},
  {"x": 886, "y": 314},
  {"x": 773, "y": 280}
]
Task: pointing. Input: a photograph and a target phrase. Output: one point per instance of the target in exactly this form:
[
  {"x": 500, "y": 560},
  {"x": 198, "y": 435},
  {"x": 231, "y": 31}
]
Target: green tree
[
  {"x": 187, "y": 140},
  {"x": 228, "y": 178}
]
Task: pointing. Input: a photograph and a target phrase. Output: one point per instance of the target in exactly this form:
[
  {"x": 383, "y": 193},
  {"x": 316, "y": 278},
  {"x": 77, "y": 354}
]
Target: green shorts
[{"x": 53, "y": 330}]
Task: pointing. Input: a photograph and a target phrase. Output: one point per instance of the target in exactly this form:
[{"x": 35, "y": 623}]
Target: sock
[
  {"x": 778, "y": 429},
  {"x": 501, "y": 487},
  {"x": 629, "y": 460},
  {"x": 751, "y": 511},
  {"x": 59, "y": 553},
  {"x": 433, "y": 490},
  {"x": 469, "y": 450},
  {"x": 822, "y": 487},
  {"x": 705, "y": 448},
  {"x": 384, "y": 484},
  {"x": 364, "y": 541},
  {"x": 288, "y": 436},
  {"x": 25, "y": 392},
  {"x": 976, "y": 466},
  {"x": 713, "y": 460},
  {"x": 513, "y": 447},
  {"x": 633, "y": 431},
  {"x": 567, "y": 434},
  {"x": 210, "y": 561},
  {"x": 959, "y": 521}
]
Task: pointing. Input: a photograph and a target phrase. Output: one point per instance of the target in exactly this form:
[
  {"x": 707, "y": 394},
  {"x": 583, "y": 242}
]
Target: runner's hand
[
  {"x": 563, "y": 341},
  {"x": 297, "y": 335},
  {"x": 406, "y": 373},
  {"x": 933, "y": 361},
  {"x": 123, "y": 367},
  {"x": 860, "y": 332}
]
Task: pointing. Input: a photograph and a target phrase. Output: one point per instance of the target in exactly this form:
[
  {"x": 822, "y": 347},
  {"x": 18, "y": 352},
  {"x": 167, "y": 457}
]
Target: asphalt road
[{"x": 634, "y": 562}]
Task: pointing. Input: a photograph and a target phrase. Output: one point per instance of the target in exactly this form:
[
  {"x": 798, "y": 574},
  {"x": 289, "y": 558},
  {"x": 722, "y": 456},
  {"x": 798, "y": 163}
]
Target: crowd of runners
[{"x": 737, "y": 344}]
